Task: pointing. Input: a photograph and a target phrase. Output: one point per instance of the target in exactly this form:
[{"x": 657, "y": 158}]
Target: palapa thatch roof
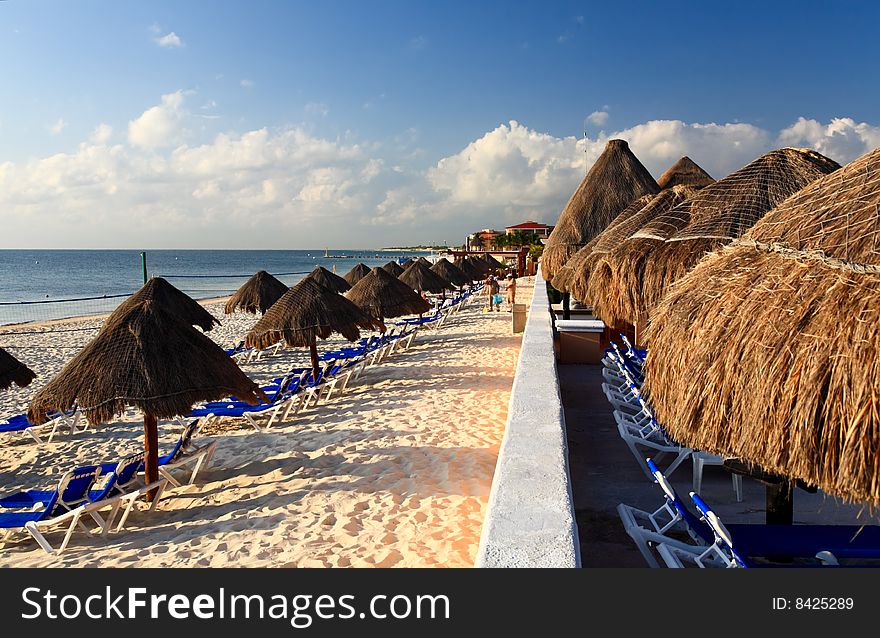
[
  {"x": 469, "y": 269},
  {"x": 329, "y": 279},
  {"x": 574, "y": 275},
  {"x": 257, "y": 294},
  {"x": 769, "y": 349},
  {"x": 309, "y": 311},
  {"x": 494, "y": 264},
  {"x": 158, "y": 291},
  {"x": 355, "y": 274},
  {"x": 685, "y": 172},
  {"x": 593, "y": 278},
  {"x": 384, "y": 296},
  {"x": 13, "y": 371},
  {"x": 668, "y": 246},
  {"x": 413, "y": 262},
  {"x": 148, "y": 355},
  {"x": 422, "y": 278},
  {"x": 582, "y": 259},
  {"x": 450, "y": 272},
  {"x": 393, "y": 268},
  {"x": 611, "y": 184},
  {"x": 479, "y": 265}
]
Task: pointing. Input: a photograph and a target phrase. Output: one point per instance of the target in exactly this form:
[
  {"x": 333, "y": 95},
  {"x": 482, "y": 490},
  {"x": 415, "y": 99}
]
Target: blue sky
[{"x": 354, "y": 124}]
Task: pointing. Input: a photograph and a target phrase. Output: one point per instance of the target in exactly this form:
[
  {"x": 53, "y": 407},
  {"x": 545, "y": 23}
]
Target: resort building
[
  {"x": 541, "y": 230},
  {"x": 486, "y": 239},
  {"x": 483, "y": 239}
]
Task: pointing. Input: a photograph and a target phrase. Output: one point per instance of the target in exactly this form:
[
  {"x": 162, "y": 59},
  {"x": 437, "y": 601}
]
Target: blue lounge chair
[
  {"x": 714, "y": 544},
  {"x": 250, "y": 413},
  {"x": 636, "y": 354},
  {"x": 35, "y": 511},
  {"x": 20, "y": 423},
  {"x": 745, "y": 542}
]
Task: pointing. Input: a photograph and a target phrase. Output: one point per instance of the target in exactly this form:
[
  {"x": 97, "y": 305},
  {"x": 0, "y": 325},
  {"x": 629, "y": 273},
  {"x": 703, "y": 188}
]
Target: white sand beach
[{"x": 396, "y": 472}]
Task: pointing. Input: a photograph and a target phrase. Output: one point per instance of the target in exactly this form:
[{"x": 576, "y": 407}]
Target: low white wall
[{"x": 530, "y": 519}]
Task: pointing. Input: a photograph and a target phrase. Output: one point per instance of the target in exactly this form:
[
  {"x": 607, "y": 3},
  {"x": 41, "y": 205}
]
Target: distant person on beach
[
  {"x": 511, "y": 292},
  {"x": 492, "y": 288}
]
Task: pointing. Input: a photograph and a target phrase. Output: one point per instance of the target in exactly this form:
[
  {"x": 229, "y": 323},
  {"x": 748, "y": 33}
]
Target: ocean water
[{"x": 36, "y": 285}]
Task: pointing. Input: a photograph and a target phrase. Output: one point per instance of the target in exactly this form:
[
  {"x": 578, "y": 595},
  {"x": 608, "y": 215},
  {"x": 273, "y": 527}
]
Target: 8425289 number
[{"x": 824, "y": 603}]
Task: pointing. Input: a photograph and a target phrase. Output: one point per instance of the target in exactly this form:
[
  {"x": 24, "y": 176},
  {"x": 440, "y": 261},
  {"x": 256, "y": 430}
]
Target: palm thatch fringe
[
  {"x": 613, "y": 277},
  {"x": 582, "y": 260},
  {"x": 479, "y": 265},
  {"x": 563, "y": 276},
  {"x": 471, "y": 272}
]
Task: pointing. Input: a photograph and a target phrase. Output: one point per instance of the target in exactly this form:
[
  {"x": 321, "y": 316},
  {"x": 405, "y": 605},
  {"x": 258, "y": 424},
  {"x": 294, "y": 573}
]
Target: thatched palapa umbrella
[
  {"x": 13, "y": 371},
  {"x": 467, "y": 268},
  {"x": 450, "y": 272},
  {"x": 309, "y": 311},
  {"x": 423, "y": 279},
  {"x": 393, "y": 268},
  {"x": 382, "y": 296},
  {"x": 479, "y": 265},
  {"x": 257, "y": 294},
  {"x": 769, "y": 349},
  {"x": 494, "y": 264},
  {"x": 329, "y": 280},
  {"x": 668, "y": 246},
  {"x": 615, "y": 180},
  {"x": 148, "y": 355},
  {"x": 355, "y": 274}
]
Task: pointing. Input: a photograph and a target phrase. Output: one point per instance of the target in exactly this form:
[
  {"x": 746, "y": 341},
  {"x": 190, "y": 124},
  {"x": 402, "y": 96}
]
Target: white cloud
[
  {"x": 419, "y": 42},
  {"x": 101, "y": 134},
  {"x": 840, "y": 138},
  {"x": 57, "y": 126},
  {"x": 169, "y": 41},
  {"x": 598, "y": 118},
  {"x": 224, "y": 191},
  {"x": 159, "y": 125},
  {"x": 511, "y": 166},
  {"x": 247, "y": 84}
]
